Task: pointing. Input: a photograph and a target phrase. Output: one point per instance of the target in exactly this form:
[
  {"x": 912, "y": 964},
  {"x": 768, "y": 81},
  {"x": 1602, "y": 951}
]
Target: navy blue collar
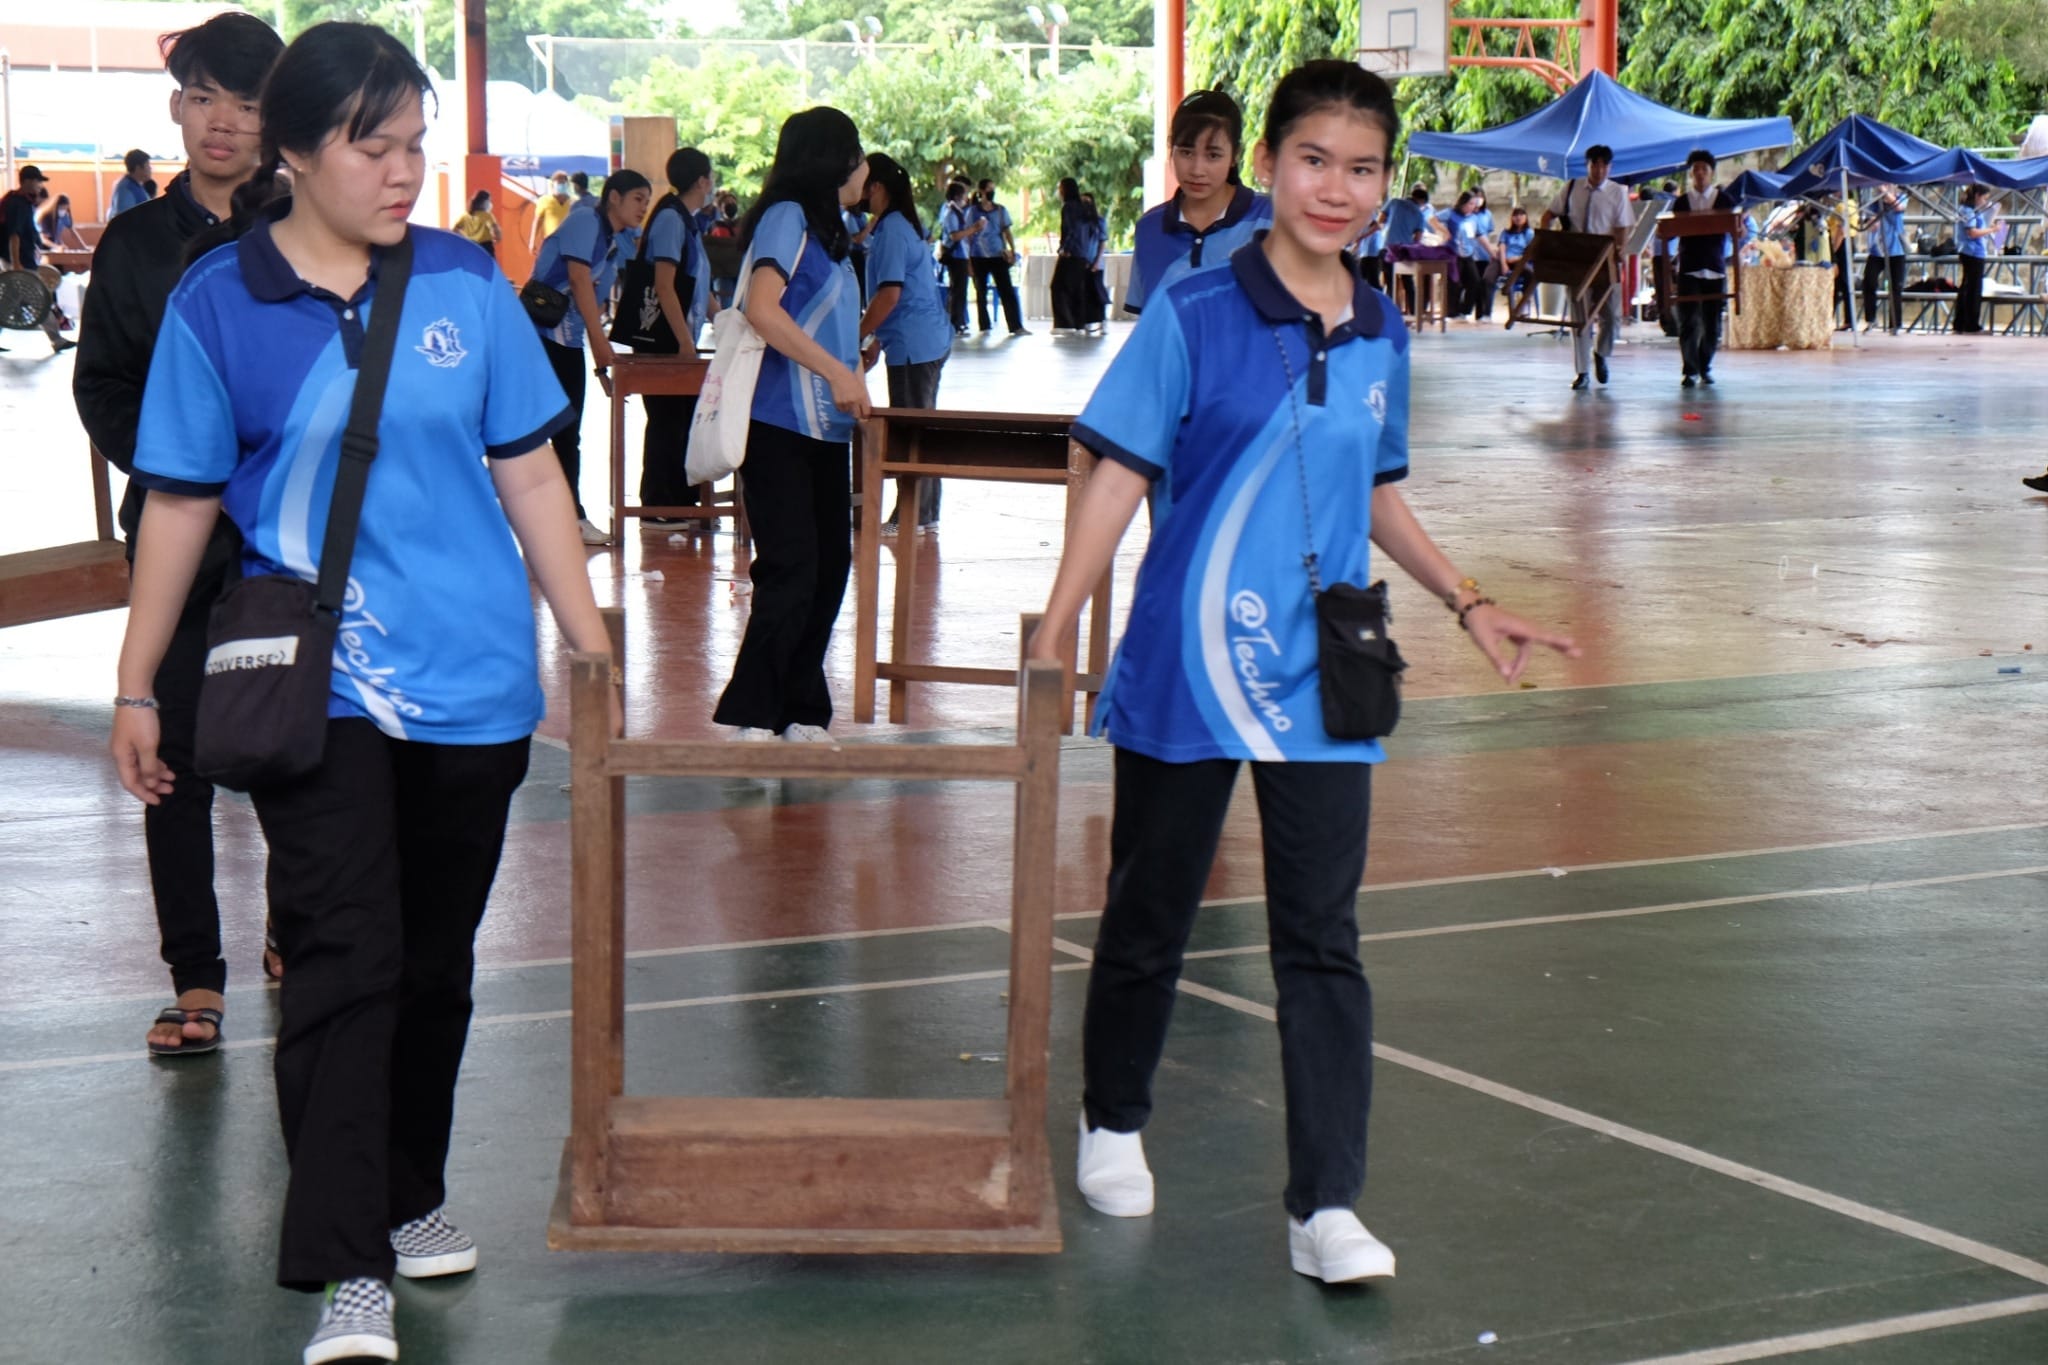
[
  {"x": 188, "y": 207},
  {"x": 268, "y": 276},
  {"x": 1240, "y": 205},
  {"x": 1276, "y": 305}
]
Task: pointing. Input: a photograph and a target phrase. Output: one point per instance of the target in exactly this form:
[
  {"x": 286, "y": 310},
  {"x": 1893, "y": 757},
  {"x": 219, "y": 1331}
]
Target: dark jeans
[
  {"x": 1893, "y": 268},
  {"x": 1699, "y": 328},
  {"x": 1845, "y": 313},
  {"x": 1970, "y": 297},
  {"x": 662, "y": 480},
  {"x": 997, "y": 269},
  {"x": 800, "y": 504},
  {"x": 958, "y": 268},
  {"x": 380, "y": 864},
  {"x": 1075, "y": 302},
  {"x": 1370, "y": 269},
  {"x": 1471, "y": 283},
  {"x": 177, "y": 832},
  {"x": 570, "y": 365},
  {"x": 917, "y": 386},
  {"x": 1313, "y": 819}
]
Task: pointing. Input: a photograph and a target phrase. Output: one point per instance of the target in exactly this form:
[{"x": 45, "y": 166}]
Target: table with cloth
[
  {"x": 1791, "y": 306},
  {"x": 1116, "y": 274}
]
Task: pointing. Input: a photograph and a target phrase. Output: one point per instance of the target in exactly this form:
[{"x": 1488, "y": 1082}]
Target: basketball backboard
[{"x": 1405, "y": 37}]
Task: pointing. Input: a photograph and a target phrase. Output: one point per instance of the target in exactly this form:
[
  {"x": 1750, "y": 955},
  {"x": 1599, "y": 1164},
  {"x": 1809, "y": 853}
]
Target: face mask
[{"x": 561, "y": 191}]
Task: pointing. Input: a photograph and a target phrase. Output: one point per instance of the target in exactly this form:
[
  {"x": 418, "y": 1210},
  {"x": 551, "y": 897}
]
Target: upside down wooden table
[
  {"x": 914, "y": 444},
  {"x": 663, "y": 375}
]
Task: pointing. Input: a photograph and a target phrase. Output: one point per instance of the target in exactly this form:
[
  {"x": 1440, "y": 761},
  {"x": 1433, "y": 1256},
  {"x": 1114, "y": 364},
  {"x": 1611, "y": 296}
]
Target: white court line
[
  {"x": 1580, "y": 917},
  {"x": 1983, "y": 1252},
  {"x": 1860, "y": 1332}
]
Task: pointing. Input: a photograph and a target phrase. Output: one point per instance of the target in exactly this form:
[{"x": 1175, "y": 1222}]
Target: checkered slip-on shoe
[
  {"x": 355, "y": 1324},
  {"x": 432, "y": 1246}
]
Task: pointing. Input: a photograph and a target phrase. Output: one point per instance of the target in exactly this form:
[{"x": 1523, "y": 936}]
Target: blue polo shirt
[
  {"x": 823, "y": 296},
  {"x": 1165, "y": 247},
  {"x": 1888, "y": 234},
  {"x": 127, "y": 194},
  {"x": 1966, "y": 245},
  {"x": 1406, "y": 221},
  {"x": 916, "y": 331},
  {"x": 1219, "y": 657},
  {"x": 1453, "y": 222},
  {"x": 995, "y": 221},
  {"x": 952, "y": 218},
  {"x": 249, "y": 392},
  {"x": 1514, "y": 243},
  {"x": 1471, "y": 230},
  {"x": 672, "y": 237},
  {"x": 585, "y": 235}
]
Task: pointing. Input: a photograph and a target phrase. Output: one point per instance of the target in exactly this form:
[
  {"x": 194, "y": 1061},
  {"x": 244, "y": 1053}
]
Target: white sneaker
[
  {"x": 748, "y": 734},
  {"x": 1112, "y": 1173},
  {"x": 1334, "y": 1247},
  {"x": 808, "y": 734},
  {"x": 591, "y": 535}
]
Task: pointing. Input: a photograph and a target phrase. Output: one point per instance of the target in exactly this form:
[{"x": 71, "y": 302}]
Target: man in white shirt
[{"x": 1598, "y": 205}]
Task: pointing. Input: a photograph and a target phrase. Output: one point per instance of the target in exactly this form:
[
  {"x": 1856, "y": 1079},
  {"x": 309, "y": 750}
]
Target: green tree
[
  {"x": 1095, "y": 125},
  {"x": 959, "y": 107},
  {"x": 1118, "y": 23},
  {"x": 2013, "y": 30},
  {"x": 732, "y": 107}
]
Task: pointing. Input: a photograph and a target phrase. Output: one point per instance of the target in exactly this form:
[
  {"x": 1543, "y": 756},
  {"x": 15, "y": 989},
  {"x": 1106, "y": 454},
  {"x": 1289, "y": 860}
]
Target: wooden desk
[
  {"x": 1582, "y": 263},
  {"x": 1432, "y": 291},
  {"x": 913, "y": 444},
  {"x": 66, "y": 261},
  {"x": 667, "y": 376},
  {"x": 68, "y": 580}
]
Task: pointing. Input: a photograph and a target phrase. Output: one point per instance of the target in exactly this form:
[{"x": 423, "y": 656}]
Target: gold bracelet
[
  {"x": 1464, "y": 585},
  {"x": 618, "y": 676}
]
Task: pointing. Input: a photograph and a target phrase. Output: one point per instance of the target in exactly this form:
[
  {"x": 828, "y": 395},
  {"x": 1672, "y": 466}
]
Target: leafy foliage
[
  {"x": 732, "y": 107},
  {"x": 508, "y": 57},
  {"x": 2015, "y": 30},
  {"x": 1117, "y": 23},
  {"x": 958, "y": 108},
  {"x": 1096, "y": 126}
]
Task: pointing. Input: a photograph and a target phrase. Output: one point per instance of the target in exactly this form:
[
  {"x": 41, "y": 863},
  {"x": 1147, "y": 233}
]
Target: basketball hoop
[{"x": 1385, "y": 61}]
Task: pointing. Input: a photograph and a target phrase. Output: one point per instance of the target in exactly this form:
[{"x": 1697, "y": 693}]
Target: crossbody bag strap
[
  {"x": 359, "y": 439},
  {"x": 1309, "y": 559}
]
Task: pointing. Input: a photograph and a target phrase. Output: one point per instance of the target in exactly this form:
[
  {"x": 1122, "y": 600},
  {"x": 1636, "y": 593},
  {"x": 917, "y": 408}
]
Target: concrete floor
[{"x": 1708, "y": 971}]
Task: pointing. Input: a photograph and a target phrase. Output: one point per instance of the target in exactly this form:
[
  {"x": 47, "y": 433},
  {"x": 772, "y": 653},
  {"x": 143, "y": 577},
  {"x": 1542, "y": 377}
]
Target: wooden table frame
[
  {"x": 802, "y": 1175},
  {"x": 1726, "y": 223},
  {"x": 69, "y": 580},
  {"x": 1432, "y": 279},
  {"x": 664, "y": 376},
  {"x": 1582, "y": 262},
  {"x": 913, "y": 444}
]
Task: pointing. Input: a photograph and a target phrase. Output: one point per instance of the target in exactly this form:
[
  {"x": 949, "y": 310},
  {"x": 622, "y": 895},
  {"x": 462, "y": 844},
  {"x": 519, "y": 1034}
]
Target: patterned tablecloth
[{"x": 1790, "y": 306}]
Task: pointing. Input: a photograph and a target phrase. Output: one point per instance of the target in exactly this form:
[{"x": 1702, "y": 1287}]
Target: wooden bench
[
  {"x": 68, "y": 580},
  {"x": 643, "y": 1173}
]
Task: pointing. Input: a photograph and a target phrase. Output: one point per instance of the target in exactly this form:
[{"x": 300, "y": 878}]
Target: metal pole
[
  {"x": 6, "y": 116},
  {"x": 1849, "y": 264}
]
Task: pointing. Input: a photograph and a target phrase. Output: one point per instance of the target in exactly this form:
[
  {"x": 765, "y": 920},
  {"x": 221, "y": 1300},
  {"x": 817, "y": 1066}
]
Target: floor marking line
[
  {"x": 553, "y": 1016},
  {"x": 1968, "y": 1247},
  {"x": 1579, "y": 917},
  {"x": 1857, "y": 1333}
]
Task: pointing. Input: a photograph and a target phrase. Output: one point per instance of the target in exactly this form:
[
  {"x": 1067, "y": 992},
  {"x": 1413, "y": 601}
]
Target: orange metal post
[
  {"x": 1603, "y": 40},
  {"x": 480, "y": 170}
]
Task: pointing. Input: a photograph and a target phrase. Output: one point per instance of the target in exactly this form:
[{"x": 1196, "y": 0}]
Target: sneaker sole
[
  {"x": 361, "y": 1346},
  {"x": 447, "y": 1263},
  {"x": 1120, "y": 1206},
  {"x": 1343, "y": 1272}
]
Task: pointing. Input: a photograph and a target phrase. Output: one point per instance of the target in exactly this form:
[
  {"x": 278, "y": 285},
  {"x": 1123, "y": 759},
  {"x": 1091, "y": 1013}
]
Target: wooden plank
[
  {"x": 908, "y": 498},
  {"x": 983, "y": 473},
  {"x": 595, "y": 1057},
  {"x": 1081, "y": 463},
  {"x": 1034, "y": 866},
  {"x": 614, "y": 619},
  {"x": 63, "y": 580},
  {"x": 809, "y": 1163},
  {"x": 102, "y": 496},
  {"x": 946, "y": 673},
  {"x": 870, "y": 448},
  {"x": 903, "y": 762}
]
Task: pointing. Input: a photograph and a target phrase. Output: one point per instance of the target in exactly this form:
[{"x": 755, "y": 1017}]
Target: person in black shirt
[
  {"x": 219, "y": 67},
  {"x": 21, "y": 240}
]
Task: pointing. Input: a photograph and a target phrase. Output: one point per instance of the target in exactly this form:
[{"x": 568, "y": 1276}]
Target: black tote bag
[
  {"x": 262, "y": 717},
  {"x": 638, "y": 322}
]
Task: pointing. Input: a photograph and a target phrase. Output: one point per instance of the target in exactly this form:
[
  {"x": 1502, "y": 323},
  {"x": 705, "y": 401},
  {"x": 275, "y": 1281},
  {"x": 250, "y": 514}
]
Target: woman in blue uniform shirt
[
  {"x": 1284, "y": 393},
  {"x": 682, "y": 287},
  {"x": 1076, "y": 304},
  {"x": 1976, "y": 222},
  {"x": 1212, "y": 214},
  {"x": 1514, "y": 245},
  {"x": 382, "y": 859},
  {"x": 801, "y": 296},
  {"x": 904, "y": 318}
]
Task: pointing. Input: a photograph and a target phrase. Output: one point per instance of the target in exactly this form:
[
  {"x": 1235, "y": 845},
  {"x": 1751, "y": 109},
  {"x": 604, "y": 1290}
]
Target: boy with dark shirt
[
  {"x": 20, "y": 240},
  {"x": 219, "y": 67}
]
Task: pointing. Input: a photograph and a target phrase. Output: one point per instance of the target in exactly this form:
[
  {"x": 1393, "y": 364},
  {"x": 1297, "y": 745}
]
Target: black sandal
[{"x": 187, "y": 1047}]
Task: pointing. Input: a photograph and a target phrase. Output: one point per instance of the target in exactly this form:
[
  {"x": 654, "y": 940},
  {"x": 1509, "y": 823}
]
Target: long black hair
[
  {"x": 1331, "y": 84},
  {"x": 1202, "y": 112},
  {"x": 334, "y": 77},
  {"x": 886, "y": 171},
  {"x": 816, "y": 151}
]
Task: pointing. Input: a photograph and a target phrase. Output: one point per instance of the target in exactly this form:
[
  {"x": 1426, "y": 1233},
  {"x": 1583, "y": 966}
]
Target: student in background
[
  {"x": 20, "y": 242},
  {"x": 1885, "y": 222},
  {"x": 1976, "y": 222},
  {"x": 134, "y": 188},
  {"x": 1370, "y": 252},
  {"x": 54, "y": 223},
  {"x": 995, "y": 251},
  {"x": 1199, "y": 686},
  {"x": 682, "y": 285},
  {"x": 1408, "y": 222},
  {"x": 1599, "y": 205},
  {"x": 580, "y": 196},
  {"x": 1076, "y": 307},
  {"x": 581, "y": 259},
  {"x": 1452, "y": 221},
  {"x": 904, "y": 319},
  {"x": 550, "y": 211},
  {"x": 957, "y": 227},
  {"x": 1514, "y": 245},
  {"x": 1702, "y": 269},
  {"x": 480, "y": 225},
  {"x": 1212, "y": 214}
]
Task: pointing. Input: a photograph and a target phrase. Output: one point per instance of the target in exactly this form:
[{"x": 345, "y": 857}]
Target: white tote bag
[{"x": 718, "y": 432}]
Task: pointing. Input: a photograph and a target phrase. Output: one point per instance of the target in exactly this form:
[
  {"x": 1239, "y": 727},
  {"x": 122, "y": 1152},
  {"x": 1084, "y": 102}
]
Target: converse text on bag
[{"x": 273, "y": 651}]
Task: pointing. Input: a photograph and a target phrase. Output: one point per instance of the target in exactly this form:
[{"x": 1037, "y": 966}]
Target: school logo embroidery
[
  {"x": 1376, "y": 399},
  {"x": 442, "y": 345}
]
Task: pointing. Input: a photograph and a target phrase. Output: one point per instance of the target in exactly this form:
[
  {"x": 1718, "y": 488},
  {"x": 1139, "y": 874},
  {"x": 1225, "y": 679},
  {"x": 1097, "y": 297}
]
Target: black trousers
[
  {"x": 1699, "y": 329},
  {"x": 917, "y": 386},
  {"x": 1471, "y": 283},
  {"x": 1845, "y": 312},
  {"x": 1312, "y": 819},
  {"x": 1370, "y": 270},
  {"x": 1075, "y": 302},
  {"x": 663, "y": 482},
  {"x": 177, "y": 832},
  {"x": 570, "y": 365},
  {"x": 800, "y": 503},
  {"x": 958, "y": 268},
  {"x": 996, "y": 269},
  {"x": 380, "y": 864},
  {"x": 1970, "y": 296},
  {"x": 1893, "y": 268}
]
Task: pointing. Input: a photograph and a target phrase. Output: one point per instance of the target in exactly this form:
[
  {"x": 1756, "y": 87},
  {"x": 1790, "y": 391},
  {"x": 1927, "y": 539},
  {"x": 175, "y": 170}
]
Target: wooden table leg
[
  {"x": 1034, "y": 865},
  {"x": 596, "y": 1057},
  {"x": 907, "y": 490},
  {"x": 870, "y": 444},
  {"x": 618, "y": 398}
]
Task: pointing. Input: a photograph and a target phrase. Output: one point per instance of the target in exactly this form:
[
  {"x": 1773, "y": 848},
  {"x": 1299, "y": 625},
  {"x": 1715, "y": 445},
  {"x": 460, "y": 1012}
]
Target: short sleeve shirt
[
  {"x": 249, "y": 392},
  {"x": 916, "y": 331},
  {"x": 1594, "y": 210},
  {"x": 18, "y": 224},
  {"x": 672, "y": 237},
  {"x": 1219, "y": 659},
  {"x": 952, "y": 218},
  {"x": 587, "y": 237},
  {"x": 1165, "y": 248},
  {"x": 1514, "y": 243},
  {"x": 1967, "y": 245},
  {"x": 551, "y": 212},
  {"x": 127, "y": 194},
  {"x": 823, "y": 297},
  {"x": 995, "y": 221},
  {"x": 1888, "y": 234}
]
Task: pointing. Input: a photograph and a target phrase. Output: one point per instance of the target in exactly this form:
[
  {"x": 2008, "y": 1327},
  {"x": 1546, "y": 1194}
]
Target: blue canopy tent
[
  {"x": 1648, "y": 138},
  {"x": 1868, "y": 150},
  {"x": 1756, "y": 187},
  {"x": 1964, "y": 167}
]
